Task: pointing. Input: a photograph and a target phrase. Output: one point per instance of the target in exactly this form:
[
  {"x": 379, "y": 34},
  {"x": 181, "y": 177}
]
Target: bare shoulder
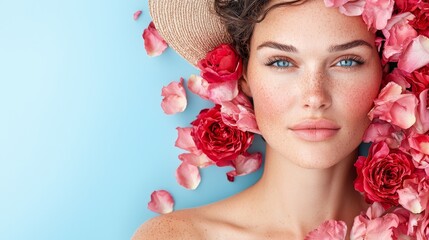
[{"x": 181, "y": 224}]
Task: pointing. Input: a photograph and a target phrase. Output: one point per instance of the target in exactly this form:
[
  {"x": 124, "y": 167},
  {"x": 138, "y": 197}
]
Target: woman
[{"x": 313, "y": 74}]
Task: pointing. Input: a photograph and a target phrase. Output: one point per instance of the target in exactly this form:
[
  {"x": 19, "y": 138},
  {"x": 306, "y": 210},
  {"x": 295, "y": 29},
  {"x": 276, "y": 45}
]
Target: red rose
[
  {"x": 220, "y": 142},
  {"x": 382, "y": 173},
  {"x": 418, "y": 79},
  {"x": 420, "y": 23},
  {"x": 406, "y": 5},
  {"x": 221, "y": 64}
]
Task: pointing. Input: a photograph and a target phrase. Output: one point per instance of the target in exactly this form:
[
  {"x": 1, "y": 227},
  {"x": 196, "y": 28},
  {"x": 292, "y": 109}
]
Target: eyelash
[
  {"x": 358, "y": 60},
  {"x": 271, "y": 61}
]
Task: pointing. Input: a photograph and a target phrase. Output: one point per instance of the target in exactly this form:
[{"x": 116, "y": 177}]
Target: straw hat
[{"x": 191, "y": 27}]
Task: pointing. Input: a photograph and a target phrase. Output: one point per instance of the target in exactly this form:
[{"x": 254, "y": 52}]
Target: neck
[{"x": 300, "y": 199}]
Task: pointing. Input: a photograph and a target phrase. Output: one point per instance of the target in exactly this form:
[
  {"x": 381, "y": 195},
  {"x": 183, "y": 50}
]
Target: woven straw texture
[{"x": 190, "y": 27}]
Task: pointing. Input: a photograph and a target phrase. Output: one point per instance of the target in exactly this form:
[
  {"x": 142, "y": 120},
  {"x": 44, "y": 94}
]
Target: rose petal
[
  {"x": 199, "y": 86},
  {"x": 416, "y": 55},
  {"x": 373, "y": 224},
  {"x": 154, "y": 44},
  {"x": 395, "y": 107},
  {"x": 222, "y": 92},
  {"x": 136, "y": 15},
  {"x": 239, "y": 113},
  {"x": 200, "y": 161},
  {"x": 377, "y": 12},
  {"x": 422, "y": 122},
  {"x": 410, "y": 200},
  {"x": 329, "y": 230},
  {"x": 245, "y": 164},
  {"x": 353, "y": 8},
  {"x": 188, "y": 176},
  {"x": 185, "y": 141},
  {"x": 161, "y": 202},
  {"x": 174, "y": 100}
]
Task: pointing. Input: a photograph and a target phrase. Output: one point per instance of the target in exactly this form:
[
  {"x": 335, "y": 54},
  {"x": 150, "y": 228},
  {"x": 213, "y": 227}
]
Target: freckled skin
[
  {"x": 314, "y": 88},
  {"x": 304, "y": 183}
]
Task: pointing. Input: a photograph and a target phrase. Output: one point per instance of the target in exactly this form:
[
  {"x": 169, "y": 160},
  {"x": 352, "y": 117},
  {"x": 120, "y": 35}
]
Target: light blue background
[{"x": 83, "y": 139}]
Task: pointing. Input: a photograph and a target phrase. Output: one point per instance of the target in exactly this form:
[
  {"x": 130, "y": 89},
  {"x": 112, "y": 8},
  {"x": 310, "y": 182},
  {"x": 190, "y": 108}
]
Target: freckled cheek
[
  {"x": 358, "y": 104},
  {"x": 270, "y": 105}
]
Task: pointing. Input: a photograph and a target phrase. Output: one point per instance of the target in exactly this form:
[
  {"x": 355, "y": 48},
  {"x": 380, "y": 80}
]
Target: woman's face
[{"x": 313, "y": 74}]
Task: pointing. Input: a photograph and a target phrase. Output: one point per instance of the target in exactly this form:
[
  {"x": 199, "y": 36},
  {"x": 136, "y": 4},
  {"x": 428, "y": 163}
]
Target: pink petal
[
  {"x": 200, "y": 161},
  {"x": 222, "y": 92},
  {"x": 245, "y": 164},
  {"x": 136, "y": 15},
  {"x": 410, "y": 200},
  {"x": 215, "y": 92},
  {"x": 174, "y": 100},
  {"x": 383, "y": 131},
  {"x": 239, "y": 113},
  {"x": 422, "y": 122},
  {"x": 377, "y": 12},
  {"x": 394, "y": 107},
  {"x": 416, "y": 55},
  {"x": 161, "y": 202},
  {"x": 154, "y": 44},
  {"x": 375, "y": 224},
  {"x": 403, "y": 112},
  {"x": 185, "y": 141},
  {"x": 335, "y": 3},
  {"x": 199, "y": 86},
  {"x": 353, "y": 8},
  {"x": 329, "y": 230},
  {"x": 188, "y": 176}
]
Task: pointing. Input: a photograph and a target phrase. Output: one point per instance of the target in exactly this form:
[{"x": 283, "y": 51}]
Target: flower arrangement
[{"x": 394, "y": 177}]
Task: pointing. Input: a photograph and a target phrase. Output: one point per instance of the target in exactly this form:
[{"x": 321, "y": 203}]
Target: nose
[{"x": 316, "y": 92}]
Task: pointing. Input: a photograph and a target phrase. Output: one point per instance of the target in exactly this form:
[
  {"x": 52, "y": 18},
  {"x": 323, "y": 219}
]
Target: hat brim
[{"x": 190, "y": 27}]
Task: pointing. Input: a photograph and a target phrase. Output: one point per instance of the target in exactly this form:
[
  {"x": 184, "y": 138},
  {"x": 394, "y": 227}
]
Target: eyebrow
[
  {"x": 349, "y": 45},
  {"x": 334, "y": 48}
]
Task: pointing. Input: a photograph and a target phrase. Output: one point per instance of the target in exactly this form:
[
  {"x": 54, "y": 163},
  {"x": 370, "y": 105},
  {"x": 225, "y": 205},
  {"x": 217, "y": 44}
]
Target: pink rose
[
  {"x": 153, "y": 42},
  {"x": 220, "y": 142},
  {"x": 375, "y": 224},
  {"x": 381, "y": 174},
  {"x": 221, "y": 64},
  {"x": 376, "y": 13},
  {"x": 174, "y": 100},
  {"x": 395, "y": 107},
  {"x": 329, "y": 230},
  {"x": 239, "y": 113}
]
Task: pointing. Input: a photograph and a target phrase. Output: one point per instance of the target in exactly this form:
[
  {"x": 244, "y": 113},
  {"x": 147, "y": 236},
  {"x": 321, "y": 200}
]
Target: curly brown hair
[{"x": 240, "y": 17}]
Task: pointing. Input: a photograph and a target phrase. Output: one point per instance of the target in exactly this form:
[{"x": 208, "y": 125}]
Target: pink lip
[{"x": 315, "y": 130}]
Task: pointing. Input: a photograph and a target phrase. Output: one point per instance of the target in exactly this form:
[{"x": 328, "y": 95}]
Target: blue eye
[
  {"x": 348, "y": 63},
  {"x": 281, "y": 64}
]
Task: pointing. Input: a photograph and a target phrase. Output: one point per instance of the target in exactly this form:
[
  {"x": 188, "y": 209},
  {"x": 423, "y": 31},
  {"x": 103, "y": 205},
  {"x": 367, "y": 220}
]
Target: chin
[{"x": 326, "y": 161}]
